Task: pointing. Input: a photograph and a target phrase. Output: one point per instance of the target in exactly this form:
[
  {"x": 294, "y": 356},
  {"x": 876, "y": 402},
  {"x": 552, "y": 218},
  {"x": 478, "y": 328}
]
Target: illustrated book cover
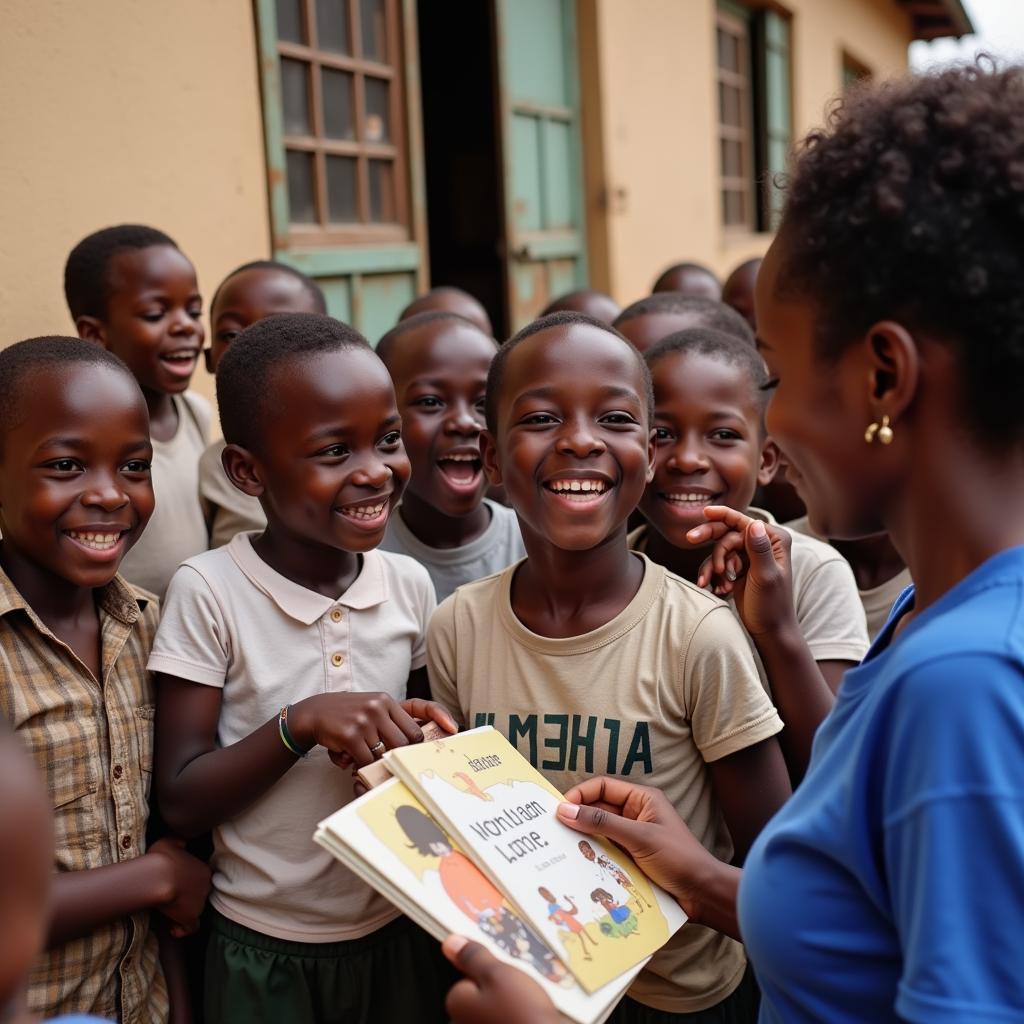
[
  {"x": 391, "y": 841},
  {"x": 583, "y": 896}
]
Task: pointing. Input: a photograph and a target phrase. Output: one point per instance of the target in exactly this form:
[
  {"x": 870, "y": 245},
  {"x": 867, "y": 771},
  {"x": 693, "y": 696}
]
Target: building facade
[{"x": 517, "y": 148}]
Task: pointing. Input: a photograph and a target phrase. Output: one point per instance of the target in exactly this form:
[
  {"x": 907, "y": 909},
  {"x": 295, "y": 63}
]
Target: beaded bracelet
[{"x": 286, "y": 737}]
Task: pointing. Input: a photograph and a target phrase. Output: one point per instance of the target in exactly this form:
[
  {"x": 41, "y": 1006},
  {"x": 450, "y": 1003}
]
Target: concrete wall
[
  {"x": 650, "y": 123},
  {"x": 125, "y": 110}
]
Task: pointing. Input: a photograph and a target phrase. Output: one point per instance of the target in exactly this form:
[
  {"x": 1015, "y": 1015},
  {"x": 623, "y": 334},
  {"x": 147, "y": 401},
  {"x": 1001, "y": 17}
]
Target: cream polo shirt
[
  {"x": 177, "y": 530},
  {"x": 231, "y": 621},
  {"x": 876, "y": 601},
  {"x": 227, "y": 510},
  {"x": 655, "y": 694}
]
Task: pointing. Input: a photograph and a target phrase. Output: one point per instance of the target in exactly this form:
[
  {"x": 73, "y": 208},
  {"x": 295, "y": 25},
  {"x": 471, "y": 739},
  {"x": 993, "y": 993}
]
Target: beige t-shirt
[
  {"x": 652, "y": 696},
  {"x": 876, "y": 601},
  {"x": 232, "y": 622},
  {"x": 177, "y": 530},
  {"x": 227, "y": 510},
  {"x": 828, "y": 610}
]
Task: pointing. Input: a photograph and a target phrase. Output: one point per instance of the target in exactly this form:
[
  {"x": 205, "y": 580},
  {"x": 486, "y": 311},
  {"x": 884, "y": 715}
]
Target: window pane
[
  {"x": 332, "y": 26},
  {"x": 301, "y": 206},
  {"x": 337, "y": 99},
  {"x": 295, "y": 94},
  {"x": 341, "y": 189},
  {"x": 728, "y": 51},
  {"x": 378, "y": 122},
  {"x": 733, "y": 208},
  {"x": 732, "y": 158},
  {"x": 289, "y": 21},
  {"x": 382, "y": 192},
  {"x": 374, "y": 30},
  {"x": 730, "y": 107}
]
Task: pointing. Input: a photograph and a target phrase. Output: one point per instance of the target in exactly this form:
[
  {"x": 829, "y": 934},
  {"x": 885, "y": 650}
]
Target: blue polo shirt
[{"x": 891, "y": 886}]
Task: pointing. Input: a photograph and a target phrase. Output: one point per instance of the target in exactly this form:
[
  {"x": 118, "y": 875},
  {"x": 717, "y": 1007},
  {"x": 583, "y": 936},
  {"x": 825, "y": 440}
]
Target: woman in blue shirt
[{"x": 891, "y": 316}]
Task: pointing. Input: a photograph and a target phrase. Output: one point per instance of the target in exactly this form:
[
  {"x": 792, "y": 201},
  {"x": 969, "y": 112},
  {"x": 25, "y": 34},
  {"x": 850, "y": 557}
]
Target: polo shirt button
[
  {"x": 118, "y": 771},
  {"x": 336, "y": 615},
  {"x": 126, "y": 842},
  {"x": 337, "y": 660}
]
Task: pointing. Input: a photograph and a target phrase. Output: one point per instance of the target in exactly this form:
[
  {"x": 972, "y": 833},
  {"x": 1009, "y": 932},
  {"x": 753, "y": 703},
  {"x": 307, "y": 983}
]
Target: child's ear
[
  {"x": 240, "y": 465},
  {"x": 90, "y": 328},
  {"x": 771, "y": 457},
  {"x": 489, "y": 458},
  {"x": 208, "y": 361},
  {"x": 652, "y": 453}
]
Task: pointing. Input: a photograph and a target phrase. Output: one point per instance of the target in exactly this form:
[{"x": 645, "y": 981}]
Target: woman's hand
[
  {"x": 493, "y": 992},
  {"x": 751, "y": 561},
  {"x": 643, "y": 822}
]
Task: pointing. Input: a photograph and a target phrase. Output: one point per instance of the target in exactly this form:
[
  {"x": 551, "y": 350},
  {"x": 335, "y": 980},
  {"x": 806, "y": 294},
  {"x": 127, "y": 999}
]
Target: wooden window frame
[
  {"x": 743, "y": 183},
  {"x": 750, "y": 22},
  {"x": 325, "y": 234}
]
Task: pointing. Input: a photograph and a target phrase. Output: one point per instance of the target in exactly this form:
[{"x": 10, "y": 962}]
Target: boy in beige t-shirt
[
  {"x": 248, "y": 294},
  {"x": 593, "y": 660},
  {"x": 712, "y": 449},
  {"x": 132, "y": 290}
]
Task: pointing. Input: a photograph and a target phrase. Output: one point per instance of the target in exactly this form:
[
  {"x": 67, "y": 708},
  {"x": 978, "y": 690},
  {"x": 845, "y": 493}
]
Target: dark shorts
[
  {"x": 740, "y": 1007},
  {"x": 396, "y": 973}
]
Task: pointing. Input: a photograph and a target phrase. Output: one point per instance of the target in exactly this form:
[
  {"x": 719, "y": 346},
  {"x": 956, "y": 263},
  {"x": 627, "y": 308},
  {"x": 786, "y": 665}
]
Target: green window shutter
[{"x": 771, "y": 42}]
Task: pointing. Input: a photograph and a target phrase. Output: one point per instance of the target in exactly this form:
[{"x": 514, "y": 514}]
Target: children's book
[
  {"x": 584, "y": 897},
  {"x": 389, "y": 839}
]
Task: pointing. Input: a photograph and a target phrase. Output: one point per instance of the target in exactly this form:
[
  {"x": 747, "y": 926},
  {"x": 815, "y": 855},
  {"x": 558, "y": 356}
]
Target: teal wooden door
[{"x": 538, "y": 88}]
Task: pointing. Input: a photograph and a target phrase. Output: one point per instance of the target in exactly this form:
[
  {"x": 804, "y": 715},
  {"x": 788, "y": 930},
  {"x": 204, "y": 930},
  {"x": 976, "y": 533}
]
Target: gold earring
[{"x": 882, "y": 431}]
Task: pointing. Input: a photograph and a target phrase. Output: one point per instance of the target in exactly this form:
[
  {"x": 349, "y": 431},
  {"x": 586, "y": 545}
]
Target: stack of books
[{"x": 460, "y": 833}]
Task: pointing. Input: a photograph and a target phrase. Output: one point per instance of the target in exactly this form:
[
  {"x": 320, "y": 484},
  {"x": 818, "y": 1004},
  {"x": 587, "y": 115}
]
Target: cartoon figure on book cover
[
  {"x": 620, "y": 920},
  {"x": 610, "y": 870},
  {"x": 568, "y": 918},
  {"x": 501, "y": 811},
  {"x": 477, "y": 898}
]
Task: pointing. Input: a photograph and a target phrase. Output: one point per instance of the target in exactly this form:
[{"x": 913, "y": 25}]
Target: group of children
[{"x": 333, "y": 574}]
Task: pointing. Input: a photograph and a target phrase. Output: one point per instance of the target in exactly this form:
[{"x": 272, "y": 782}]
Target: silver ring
[{"x": 378, "y": 748}]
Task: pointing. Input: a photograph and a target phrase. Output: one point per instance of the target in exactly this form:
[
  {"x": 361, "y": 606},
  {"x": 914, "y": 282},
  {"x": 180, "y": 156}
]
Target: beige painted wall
[
  {"x": 125, "y": 110},
  {"x": 650, "y": 129}
]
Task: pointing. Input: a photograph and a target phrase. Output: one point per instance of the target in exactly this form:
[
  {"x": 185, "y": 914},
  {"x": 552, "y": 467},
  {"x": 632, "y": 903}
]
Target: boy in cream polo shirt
[
  {"x": 285, "y": 657},
  {"x": 594, "y": 660}
]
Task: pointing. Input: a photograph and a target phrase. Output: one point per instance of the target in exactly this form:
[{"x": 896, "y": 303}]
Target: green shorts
[
  {"x": 739, "y": 1007},
  {"x": 395, "y": 974}
]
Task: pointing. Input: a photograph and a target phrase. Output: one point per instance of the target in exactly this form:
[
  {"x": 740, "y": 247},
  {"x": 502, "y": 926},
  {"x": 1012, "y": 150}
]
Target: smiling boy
[
  {"x": 284, "y": 657},
  {"x": 438, "y": 363},
  {"x": 75, "y": 495},
  {"x": 594, "y": 660},
  {"x": 132, "y": 290}
]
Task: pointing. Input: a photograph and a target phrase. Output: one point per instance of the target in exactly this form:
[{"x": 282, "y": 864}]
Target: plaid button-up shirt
[{"x": 94, "y": 744}]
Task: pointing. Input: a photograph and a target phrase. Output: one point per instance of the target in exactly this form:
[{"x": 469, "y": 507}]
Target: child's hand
[
  {"x": 356, "y": 728},
  {"x": 643, "y": 822},
  {"x": 493, "y": 992},
  {"x": 430, "y": 710},
  {"x": 751, "y": 561},
  {"x": 185, "y": 884}
]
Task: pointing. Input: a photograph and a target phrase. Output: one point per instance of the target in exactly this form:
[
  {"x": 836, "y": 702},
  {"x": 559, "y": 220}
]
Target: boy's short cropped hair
[
  {"x": 726, "y": 348},
  {"x": 388, "y": 343},
  {"x": 496, "y": 374},
  {"x": 49, "y": 353},
  {"x": 711, "y": 313},
  {"x": 315, "y": 291},
  {"x": 244, "y": 375},
  {"x": 663, "y": 283},
  {"x": 86, "y": 273}
]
